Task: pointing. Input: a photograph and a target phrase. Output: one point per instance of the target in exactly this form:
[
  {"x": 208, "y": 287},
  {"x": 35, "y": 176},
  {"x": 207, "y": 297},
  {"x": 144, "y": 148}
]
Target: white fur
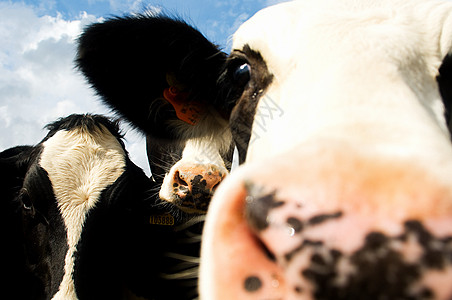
[
  {"x": 212, "y": 127},
  {"x": 356, "y": 71},
  {"x": 80, "y": 165}
]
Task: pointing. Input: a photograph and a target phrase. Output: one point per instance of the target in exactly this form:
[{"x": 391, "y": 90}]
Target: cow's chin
[
  {"x": 192, "y": 211},
  {"x": 185, "y": 206}
]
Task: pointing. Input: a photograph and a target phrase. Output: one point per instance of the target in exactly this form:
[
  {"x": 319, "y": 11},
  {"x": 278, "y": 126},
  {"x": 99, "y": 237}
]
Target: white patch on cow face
[
  {"x": 363, "y": 76},
  {"x": 80, "y": 165}
]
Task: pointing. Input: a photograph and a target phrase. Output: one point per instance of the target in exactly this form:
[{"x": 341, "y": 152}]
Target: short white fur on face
[
  {"x": 211, "y": 127},
  {"x": 80, "y": 165},
  {"x": 356, "y": 71}
]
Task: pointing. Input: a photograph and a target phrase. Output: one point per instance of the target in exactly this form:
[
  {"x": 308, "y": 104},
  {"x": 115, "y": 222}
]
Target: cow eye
[{"x": 242, "y": 74}]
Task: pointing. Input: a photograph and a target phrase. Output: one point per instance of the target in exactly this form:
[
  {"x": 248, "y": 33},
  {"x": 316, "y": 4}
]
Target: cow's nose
[
  {"x": 194, "y": 184},
  {"x": 350, "y": 230}
]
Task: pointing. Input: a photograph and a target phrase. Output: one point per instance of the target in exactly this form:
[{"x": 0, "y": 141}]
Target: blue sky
[
  {"x": 38, "y": 83},
  {"x": 216, "y": 19}
]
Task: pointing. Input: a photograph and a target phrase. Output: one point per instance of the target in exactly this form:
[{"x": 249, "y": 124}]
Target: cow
[
  {"x": 81, "y": 221},
  {"x": 156, "y": 72},
  {"x": 347, "y": 194}
]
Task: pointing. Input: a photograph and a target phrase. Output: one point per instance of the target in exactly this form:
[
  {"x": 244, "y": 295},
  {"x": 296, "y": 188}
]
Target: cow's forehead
[
  {"x": 270, "y": 31},
  {"x": 284, "y": 32},
  {"x": 360, "y": 71}
]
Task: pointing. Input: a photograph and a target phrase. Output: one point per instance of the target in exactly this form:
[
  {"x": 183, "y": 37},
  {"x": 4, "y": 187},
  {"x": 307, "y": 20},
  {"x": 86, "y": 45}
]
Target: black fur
[
  {"x": 33, "y": 230},
  {"x": 88, "y": 121},
  {"x": 13, "y": 167},
  {"x": 445, "y": 87},
  {"x": 127, "y": 59}
]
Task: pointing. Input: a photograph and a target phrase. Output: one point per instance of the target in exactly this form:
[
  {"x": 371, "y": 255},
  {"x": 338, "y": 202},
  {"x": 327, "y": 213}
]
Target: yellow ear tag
[
  {"x": 189, "y": 112},
  {"x": 165, "y": 220}
]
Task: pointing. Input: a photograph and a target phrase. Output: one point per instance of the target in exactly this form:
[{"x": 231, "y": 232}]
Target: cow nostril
[
  {"x": 215, "y": 178},
  {"x": 215, "y": 186},
  {"x": 265, "y": 250},
  {"x": 179, "y": 179}
]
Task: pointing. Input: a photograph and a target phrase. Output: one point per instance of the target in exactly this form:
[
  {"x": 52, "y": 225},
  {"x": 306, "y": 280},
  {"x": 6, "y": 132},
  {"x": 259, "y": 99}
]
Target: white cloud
[
  {"x": 4, "y": 116},
  {"x": 38, "y": 82}
]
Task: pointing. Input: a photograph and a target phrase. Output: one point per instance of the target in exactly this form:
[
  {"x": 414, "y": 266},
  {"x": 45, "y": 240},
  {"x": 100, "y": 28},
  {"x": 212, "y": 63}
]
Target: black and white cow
[
  {"x": 347, "y": 194},
  {"x": 160, "y": 75},
  {"x": 81, "y": 221}
]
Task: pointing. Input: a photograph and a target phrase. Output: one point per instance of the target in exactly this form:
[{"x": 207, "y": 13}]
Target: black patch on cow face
[
  {"x": 259, "y": 203},
  {"x": 240, "y": 97},
  {"x": 319, "y": 219},
  {"x": 295, "y": 223},
  {"x": 432, "y": 256},
  {"x": 33, "y": 230},
  {"x": 445, "y": 87},
  {"x": 44, "y": 230},
  {"x": 252, "y": 284},
  {"x": 380, "y": 270},
  {"x": 306, "y": 243}
]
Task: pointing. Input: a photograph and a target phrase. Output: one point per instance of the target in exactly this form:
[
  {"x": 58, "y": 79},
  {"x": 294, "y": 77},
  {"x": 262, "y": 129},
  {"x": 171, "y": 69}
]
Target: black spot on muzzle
[{"x": 259, "y": 203}]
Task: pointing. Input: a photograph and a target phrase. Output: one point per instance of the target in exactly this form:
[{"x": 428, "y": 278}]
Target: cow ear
[
  {"x": 445, "y": 87},
  {"x": 135, "y": 62}
]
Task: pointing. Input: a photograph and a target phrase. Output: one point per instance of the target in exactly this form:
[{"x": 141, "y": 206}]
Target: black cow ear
[
  {"x": 133, "y": 62},
  {"x": 445, "y": 87}
]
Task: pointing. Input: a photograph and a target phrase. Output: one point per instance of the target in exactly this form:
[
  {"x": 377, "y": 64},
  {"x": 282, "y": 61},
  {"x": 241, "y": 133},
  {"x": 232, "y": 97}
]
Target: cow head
[
  {"x": 160, "y": 74},
  {"x": 81, "y": 222},
  {"x": 346, "y": 190}
]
